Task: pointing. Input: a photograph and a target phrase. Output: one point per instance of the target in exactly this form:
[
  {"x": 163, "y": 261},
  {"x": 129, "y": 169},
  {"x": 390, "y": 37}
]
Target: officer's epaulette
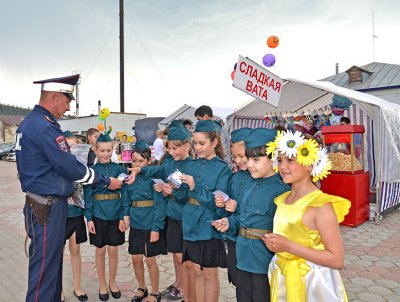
[{"x": 49, "y": 119}]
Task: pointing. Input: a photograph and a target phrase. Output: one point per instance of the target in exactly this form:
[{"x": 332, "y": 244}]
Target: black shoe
[
  {"x": 174, "y": 295},
  {"x": 83, "y": 297},
  {"x": 117, "y": 294},
  {"x": 167, "y": 290},
  {"x": 137, "y": 298},
  {"x": 104, "y": 297},
  {"x": 157, "y": 296}
]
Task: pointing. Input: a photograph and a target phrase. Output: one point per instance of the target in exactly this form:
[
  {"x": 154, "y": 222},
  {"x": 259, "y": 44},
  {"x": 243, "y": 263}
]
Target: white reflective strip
[
  {"x": 86, "y": 177},
  {"x": 91, "y": 178},
  {"x": 58, "y": 87}
]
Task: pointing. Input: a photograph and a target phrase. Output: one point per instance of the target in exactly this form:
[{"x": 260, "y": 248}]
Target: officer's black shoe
[
  {"x": 104, "y": 297},
  {"x": 117, "y": 294},
  {"x": 137, "y": 298},
  {"x": 83, "y": 297}
]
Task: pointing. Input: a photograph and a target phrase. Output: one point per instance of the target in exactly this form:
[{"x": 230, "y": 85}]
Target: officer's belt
[
  {"x": 194, "y": 201},
  {"x": 142, "y": 203},
  {"x": 107, "y": 196},
  {"x": 253, "y": 233}
]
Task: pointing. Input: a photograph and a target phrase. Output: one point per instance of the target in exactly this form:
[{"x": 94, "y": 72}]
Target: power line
[
  {"x": 101, "y": 50},
  {"x": 146, "y": 52}
]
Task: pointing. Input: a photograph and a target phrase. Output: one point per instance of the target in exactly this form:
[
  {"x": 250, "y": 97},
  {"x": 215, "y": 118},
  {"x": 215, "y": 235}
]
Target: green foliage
[{"x": 13, "y": 110}]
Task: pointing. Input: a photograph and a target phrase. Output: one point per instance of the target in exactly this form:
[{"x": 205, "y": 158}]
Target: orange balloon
[
  {"x": 100, "y": 126},
  {"x": 233, "y": 75},
  {"x": 273, "y": 41}
]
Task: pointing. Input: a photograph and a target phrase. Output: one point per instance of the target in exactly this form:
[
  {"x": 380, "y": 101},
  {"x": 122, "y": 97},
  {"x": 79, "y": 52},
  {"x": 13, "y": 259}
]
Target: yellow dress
[{"x": 294, "y": 279}]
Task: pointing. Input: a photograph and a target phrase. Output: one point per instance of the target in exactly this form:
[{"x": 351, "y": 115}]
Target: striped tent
[{"x": 380, "y": 118}]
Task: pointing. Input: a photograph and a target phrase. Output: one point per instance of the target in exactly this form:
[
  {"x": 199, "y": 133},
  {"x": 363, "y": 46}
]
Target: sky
[{"x": 183, "y": 52}]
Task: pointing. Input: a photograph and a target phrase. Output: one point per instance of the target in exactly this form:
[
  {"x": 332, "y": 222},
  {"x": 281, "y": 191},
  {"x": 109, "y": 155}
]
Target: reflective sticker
[
  {"x": 18, "y": 137},
  {"x": 62, "y": 144}
]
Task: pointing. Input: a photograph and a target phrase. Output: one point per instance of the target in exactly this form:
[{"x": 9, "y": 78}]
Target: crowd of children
[{"x": 268, "y": 223}]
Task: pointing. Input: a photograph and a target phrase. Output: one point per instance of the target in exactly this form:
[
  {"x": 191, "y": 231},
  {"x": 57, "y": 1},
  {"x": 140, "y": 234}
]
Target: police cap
[{"x": 64, "y": 85}]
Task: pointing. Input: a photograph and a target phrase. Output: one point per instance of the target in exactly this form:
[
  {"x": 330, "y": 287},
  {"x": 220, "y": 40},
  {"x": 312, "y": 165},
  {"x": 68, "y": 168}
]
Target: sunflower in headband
[
  {"x": 306, "y": 152},
  {"x": 289, "y": 142}
]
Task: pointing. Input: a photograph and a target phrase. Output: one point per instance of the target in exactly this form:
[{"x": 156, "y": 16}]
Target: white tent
[
  {"x": 184, "y": 112},
  {"x": 380, "y": 118}
]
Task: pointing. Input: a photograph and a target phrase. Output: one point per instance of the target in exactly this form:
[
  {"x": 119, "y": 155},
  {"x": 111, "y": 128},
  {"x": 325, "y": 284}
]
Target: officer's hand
[
  {"x": 167, "y": 189},
  {"x": 231, "y": 205},
  {"x": 219, "y": 202},
  {"x": 222, "y": 225},
  {"x": 115, "y": 184},
  {"x": 154, "y": 236},
  {"x": 91, "y": 228}
]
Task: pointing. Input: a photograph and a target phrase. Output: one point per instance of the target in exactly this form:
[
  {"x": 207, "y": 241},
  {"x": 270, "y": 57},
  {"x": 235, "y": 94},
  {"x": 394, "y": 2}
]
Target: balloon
[
  {"x": 104, "y": 113},
  {"x": 234, "y": 67},
  {"x": 233, "y": 75},
  {"x": 100, "y": 126},
  {"x": 101, "y": 118},
  {"x": 273, "y": 41},
  {"x": 269, "y": 60}
]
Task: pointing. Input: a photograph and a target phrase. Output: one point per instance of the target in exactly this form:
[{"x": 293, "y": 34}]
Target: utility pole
[
  {"x": 121, "y": 56},
  {"x": 77, "y": 92}
]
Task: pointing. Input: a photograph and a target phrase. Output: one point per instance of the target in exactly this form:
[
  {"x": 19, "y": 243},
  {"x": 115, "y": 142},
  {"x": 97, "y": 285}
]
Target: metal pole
[{"x": 121, "y": 55}]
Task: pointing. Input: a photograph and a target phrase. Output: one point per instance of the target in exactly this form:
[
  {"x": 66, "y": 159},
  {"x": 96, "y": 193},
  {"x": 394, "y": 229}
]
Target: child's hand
[
  {"x": 134, "y": 171},
  {"x": 188, "y": 179},
  {"x": 219, "y": 202},
  {"x": 91, "y": 228},
  {"x": 158, "y": 188},
  {"x": 222, "y": 225},
  {"x": 276, "y": 243},
  {"x": 121, "y": 226},
  {"x": 154, "y": 236},
  {"x": 167, "y": 189},
  {"x": 231, "y": 205},
  {"x": 127, "y": 222}
]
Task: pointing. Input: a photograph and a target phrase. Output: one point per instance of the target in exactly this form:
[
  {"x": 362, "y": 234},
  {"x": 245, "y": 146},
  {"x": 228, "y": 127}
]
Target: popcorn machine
[{"x": 345, "y": 146}]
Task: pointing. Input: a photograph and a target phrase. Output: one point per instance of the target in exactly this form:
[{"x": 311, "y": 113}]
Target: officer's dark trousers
[
  {"x": 252, "y": 287},
  {"x": 46, "y": 253}
]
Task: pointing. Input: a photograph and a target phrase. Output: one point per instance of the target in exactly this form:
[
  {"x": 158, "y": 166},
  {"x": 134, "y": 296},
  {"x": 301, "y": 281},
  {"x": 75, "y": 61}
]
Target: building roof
[
  {"x": 381, "y": 75},
  {"x": 11, "y": 119}
]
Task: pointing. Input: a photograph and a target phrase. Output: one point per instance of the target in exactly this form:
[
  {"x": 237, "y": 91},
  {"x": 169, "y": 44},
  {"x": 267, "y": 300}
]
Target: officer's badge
[{"x": 61, "y": 143}]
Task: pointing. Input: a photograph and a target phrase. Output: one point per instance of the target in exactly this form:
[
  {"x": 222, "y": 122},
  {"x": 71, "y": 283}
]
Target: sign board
[{"x": 257, "y": 81}]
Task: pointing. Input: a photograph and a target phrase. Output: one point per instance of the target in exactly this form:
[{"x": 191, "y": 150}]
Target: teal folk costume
[
  {"x": 105, "y": 207},
  {"x": 202, "y": 243},
  {"x": 257, "y": 210}
]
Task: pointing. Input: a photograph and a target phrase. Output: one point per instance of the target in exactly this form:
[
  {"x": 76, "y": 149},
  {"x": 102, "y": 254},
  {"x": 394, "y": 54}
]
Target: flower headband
[{"x": 307, "y": 152}]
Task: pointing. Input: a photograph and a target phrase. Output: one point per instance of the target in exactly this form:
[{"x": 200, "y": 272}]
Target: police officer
[{"x": 47, "y": 171}]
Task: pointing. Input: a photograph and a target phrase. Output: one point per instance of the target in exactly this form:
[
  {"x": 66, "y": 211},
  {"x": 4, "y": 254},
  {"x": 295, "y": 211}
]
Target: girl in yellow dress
[{"x": 306, "y": 235}]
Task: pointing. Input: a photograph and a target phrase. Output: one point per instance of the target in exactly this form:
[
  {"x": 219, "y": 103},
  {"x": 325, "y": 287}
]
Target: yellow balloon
[{"x": 104, "y": 113}]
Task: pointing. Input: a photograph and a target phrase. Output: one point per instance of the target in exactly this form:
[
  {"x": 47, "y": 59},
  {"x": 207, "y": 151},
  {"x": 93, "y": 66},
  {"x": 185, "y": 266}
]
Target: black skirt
[
  {"x": 107, "y": 233},
  {"x": 76, "y": 225},
  {"x": 139, "y": 243},
  {"x": 174, "y": 235},
  {"x": 206, "y": 253}
]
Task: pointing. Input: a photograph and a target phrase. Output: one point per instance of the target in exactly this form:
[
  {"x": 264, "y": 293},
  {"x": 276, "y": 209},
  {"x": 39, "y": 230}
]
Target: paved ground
[{"x": 372, "y": 271}]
